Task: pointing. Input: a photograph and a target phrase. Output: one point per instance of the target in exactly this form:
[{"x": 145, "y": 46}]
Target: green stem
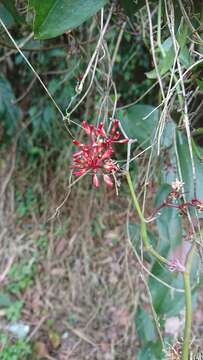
[
  {"x": 144, "y": 235},
  {"x": 188, "y": 305},
  {"x": 188, "y": 316}
]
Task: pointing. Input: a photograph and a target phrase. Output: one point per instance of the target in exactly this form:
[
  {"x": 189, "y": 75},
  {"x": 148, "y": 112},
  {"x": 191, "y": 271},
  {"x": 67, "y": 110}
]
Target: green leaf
[
  {"x": 170, "y": 236},
  {"x": 166, "y": 62},
  {"x": 200, "y": 84},
  {"x": 9, "y": 112},
  {"x": 169, "y": 227},
  {"x": 152, "y": 351},
  {"x": 54, "y": 17},
  {"x": 164, "y": 300},
  {"x": 186, "y": 168},
  {"x": 147, "y": 334},
  {"x": 5, "y": 300},
  {"x": 168, "y": 223},
  {"x": 136, "y": 126},
  {"x": 167, "y": 302},
  {"x": 145, "y": 326},
  {"x": 135, "y": 238},
  {"x": 6, "y": 16},
  {"x": 10, "y": 7},
  {"x": 131, "y": 7}
]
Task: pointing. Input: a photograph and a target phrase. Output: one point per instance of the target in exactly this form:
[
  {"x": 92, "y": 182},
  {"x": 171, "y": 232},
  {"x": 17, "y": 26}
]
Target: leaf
[
  {"x": 54, "y": 17},
  {"x": 152, "y": 351},
  {"x": 200, "y": 84},
  {"x": 135, "y": 238},
  {"x": 166, "y": 62},
  {"x": 186, "y": 168},
  {"x": 145, "y": 326},
  {"x": 5, "y": 300},
  {"x": 10, "y": 6},
  {"x": 170, "y": 235},
  {"x": 131, "y": 7},
  {"x": 9, "y": 112},
  {"x": 168, "y": 223},
  {"x": 147, "y": 333},
  {"x": 136, "y": 126},
  {"x": 168, "y": 133},
  {"x": 6, "y": 16},
  {"x": 164, "y": 300}
]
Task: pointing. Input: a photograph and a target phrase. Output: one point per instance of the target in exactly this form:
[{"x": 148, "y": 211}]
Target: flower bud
[
  {"x": 107, "y": 180},
  {"x": 95, "y": 181}
]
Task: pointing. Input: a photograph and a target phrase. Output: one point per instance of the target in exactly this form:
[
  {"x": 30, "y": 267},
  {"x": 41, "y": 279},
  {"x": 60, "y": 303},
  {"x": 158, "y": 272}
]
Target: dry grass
[{"x": 86, "y": 286}]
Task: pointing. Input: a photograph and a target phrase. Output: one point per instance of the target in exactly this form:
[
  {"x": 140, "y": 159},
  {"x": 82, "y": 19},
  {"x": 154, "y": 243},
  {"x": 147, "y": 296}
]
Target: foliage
[
  {"x": 21, "y": 276},
  {"x": 71, "y": 14},
  {"x": 10, "y": 113},
  {"x": 11, "y": 308},
  {"x": 14, "y": 351}
]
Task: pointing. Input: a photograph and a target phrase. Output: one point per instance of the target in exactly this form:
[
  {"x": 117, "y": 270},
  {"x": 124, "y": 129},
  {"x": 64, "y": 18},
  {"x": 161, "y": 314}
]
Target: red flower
[{"x": 95, "y": 156}]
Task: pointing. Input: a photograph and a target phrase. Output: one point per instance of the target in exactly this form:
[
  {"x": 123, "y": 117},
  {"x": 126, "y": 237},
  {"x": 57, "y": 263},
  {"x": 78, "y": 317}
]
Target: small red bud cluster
[
  {"x": 94, "y": 157},
  {"x": 177, "y": 194}
]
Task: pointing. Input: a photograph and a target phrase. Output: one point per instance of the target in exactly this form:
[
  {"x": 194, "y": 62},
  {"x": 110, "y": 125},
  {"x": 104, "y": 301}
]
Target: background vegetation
[{"x": 74, "y": 280}]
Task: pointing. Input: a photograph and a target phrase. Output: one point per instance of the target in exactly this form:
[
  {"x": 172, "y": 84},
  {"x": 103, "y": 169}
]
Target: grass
[
  {"x": 74, "y": 279},
  {"x": 74, "y": 275}
]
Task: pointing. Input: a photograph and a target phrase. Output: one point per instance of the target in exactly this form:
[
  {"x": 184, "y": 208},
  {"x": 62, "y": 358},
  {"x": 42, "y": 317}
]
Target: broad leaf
[
  {"x": 137, "y": 126},
  {"x": 167, "y": 302},
  {"x": 170, "y": 235},
  {"x": 145, "y": 326},
  {"x": 186, "y": 168},
  {"x": 54, "y": 17},
  {"x": 168, "y": 223},
  {"x": 147, "y": 334},
  {"x": 167, "y": 61},
  {"x": 152, "y": 351},
  {"x": 140, "y": 122}
]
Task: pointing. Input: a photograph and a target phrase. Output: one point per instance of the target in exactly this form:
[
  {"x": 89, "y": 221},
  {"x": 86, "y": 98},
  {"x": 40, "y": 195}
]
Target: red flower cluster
[{"x": 95, "y": 156}]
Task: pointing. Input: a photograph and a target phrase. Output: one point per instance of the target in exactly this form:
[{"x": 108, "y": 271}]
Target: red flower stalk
[{"x": 95, "y": 156}]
